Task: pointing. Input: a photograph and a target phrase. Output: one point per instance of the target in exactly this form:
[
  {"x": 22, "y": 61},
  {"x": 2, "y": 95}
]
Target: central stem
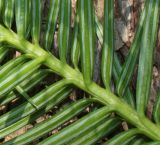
[{"x": 73, "y": 76}]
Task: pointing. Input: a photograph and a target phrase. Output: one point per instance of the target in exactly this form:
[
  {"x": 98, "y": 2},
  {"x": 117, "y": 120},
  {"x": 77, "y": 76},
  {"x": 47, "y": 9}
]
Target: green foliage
[{"x": 19, "y": 76}]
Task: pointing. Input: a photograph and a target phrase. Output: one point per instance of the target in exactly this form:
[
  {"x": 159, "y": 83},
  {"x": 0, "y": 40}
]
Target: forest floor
[{"x": 127, "y": 13}]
